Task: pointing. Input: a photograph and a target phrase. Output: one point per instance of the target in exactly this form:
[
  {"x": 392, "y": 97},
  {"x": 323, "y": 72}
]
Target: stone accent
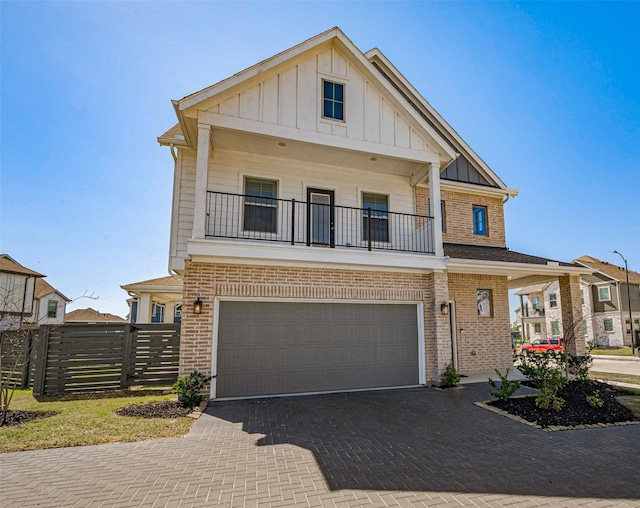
[
  {"x": 485, "y": 342},
  {"x": 572, "y": 320},
  {"x": 208, "y": 280},
  {"x": 459, "y": 217}
]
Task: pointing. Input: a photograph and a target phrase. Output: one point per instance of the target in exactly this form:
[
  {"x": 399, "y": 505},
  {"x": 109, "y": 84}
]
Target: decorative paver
[{"x": 412, "y": 447}]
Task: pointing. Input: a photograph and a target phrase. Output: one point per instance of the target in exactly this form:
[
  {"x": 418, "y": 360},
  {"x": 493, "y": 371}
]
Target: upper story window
[
  {"x": 553, "y": 300},
  {"x": 157, "y": 313},
  {"x": 378, "y": 205},
  {"x": 604, "y": 294},
  {"x": 536, "y": 302},
  {"x": 52, "y": 309},
  {"x": 177, "y": 313},
  {"x": 582, "y": 296},
  {"x": 479, "y": 220},
  {"x": 260, "y": 205},
  {"x": 332, "y": 100}
]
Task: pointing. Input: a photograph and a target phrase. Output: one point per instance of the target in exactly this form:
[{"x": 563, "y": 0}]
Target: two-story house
[
  {"x": 333, "y": 232},
  {"x": 50, "y": 305},
  {"x": 17, "y": 292}
]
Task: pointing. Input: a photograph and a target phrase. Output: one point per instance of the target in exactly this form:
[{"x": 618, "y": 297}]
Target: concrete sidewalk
[{"x": 411, "y": 447}]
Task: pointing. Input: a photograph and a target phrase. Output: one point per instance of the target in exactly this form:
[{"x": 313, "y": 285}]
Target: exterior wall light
[
  {"x": 444, "y": 308},
  {"x": 197, "y": 306}
]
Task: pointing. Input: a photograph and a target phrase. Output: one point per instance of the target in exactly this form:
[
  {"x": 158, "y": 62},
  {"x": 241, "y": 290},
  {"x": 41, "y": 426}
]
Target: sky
[{"x": 548, "y": 94}]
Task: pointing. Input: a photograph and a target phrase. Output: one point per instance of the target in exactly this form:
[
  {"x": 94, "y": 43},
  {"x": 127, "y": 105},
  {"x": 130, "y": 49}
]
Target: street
[{"x": 619, "y": 365}]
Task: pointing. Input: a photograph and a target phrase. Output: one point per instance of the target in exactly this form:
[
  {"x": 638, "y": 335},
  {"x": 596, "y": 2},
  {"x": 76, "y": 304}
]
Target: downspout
[{"x": 173, "y": 151}]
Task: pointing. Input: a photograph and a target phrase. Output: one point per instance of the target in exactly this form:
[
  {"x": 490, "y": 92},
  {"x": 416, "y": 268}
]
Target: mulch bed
[
  {"x": 161, "y": 409},
  {"x": 18, "y": 417},
  {"x": 576, "y": 410}
]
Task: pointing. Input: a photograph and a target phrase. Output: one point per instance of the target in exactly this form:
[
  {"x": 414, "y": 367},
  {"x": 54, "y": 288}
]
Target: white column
[
  {"x": 202, "y": 172},
  {"x": 436, "y": 211},
  {"x": 144, "y": 308}
]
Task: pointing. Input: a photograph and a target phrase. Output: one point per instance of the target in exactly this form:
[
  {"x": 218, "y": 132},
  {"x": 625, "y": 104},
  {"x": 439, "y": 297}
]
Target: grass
[
  {"x": 623, "y": 351},
  {"x": 620, "y": 378},
  {"x": 86, "y": 420}
]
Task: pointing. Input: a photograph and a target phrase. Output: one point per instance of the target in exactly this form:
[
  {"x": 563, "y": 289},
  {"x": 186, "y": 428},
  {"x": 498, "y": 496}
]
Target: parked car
[{"x": 543, "y": 346}]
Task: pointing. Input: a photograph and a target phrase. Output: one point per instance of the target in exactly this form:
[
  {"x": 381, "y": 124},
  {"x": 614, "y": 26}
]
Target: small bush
[
  {"x": 189, "y": 387},
  {"x": 595, "y": 401},
  {"x": 450, "y": 376},
  {"x": 507, "y": 388},
  {"x": 579, "y": 367}
]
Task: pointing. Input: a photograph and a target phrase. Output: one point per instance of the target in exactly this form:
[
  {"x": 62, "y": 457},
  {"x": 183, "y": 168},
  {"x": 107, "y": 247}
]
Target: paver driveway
[{"x": 412, "y": 447}]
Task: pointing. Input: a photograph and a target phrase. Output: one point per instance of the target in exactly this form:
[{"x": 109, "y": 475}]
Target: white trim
[
  {"x": 476, "y": 190},
  {"x": 282, "y": 254},
  {"x": 335, "y": 81},
  {"x": 608, "y": 288},
  {"x": 215, "y": 339}
]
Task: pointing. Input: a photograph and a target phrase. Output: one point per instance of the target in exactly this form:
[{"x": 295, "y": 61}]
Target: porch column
[
  {"x": 438, "y": 324},
  {"x": 202, "y": 172},
  {"x": 572, "y": 319},
  {"x": 434, "y": 204},
  {"x": 144, "y": 308}
]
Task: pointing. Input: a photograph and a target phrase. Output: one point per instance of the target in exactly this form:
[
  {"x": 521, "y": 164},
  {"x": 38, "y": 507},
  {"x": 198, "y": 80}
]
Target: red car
[{"x": 543, "y": 346}]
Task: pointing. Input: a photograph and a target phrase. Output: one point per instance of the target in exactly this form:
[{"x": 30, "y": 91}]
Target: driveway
[{"x": 411, "y": 447}]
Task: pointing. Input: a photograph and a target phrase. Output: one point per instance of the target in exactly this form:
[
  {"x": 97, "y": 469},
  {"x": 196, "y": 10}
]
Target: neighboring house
[
  {"x": 92, "y": 316},
  {"x": 333, "y": 232},
  {"x": 17, "y": 292},
  {"x": 540, "y": 311},
  {"x": 155, "y": 300},
  {"x": 49, "y": 305},
  {"x": 607, "y": 290}
]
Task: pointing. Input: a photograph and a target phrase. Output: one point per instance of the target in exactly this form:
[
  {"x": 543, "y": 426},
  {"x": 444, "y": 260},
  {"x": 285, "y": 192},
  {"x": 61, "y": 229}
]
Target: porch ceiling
[{"x": 323, "y": 154}]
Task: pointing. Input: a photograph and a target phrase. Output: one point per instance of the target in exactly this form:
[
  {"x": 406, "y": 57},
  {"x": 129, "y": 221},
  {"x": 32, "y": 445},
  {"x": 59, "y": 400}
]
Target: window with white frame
[
  {"x": 555, "y": 328},
  {"x": 553, "y": 300},
  {"x": 484, "y": 300},
  {"x": 177, "y": 313},
  {"x": 585, "y": 328},
  {"x": 375, "y": 214},
  {"x": 332, "y": 100},
  {"x": 52, "y": 309},
  {"x": 582, "y": 296},
  {"x": 157, "y": 313},
  {"x": 608, "y": 325},
  {"x": 260, "y": 205},
  {"x": 133, "y": 312},
  {"x": 604, "y": 294},
  {"x": 537, "y": 327}
]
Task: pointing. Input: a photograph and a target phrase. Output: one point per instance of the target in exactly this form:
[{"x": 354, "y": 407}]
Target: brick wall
[
  {"x": 459, "y": 217},
  {"x": 207, "y": 281},
  {"x": 484, "y": 343}
]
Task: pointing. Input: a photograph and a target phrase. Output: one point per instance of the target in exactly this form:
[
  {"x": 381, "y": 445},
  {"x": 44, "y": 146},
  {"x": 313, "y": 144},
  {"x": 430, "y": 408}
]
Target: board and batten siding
[
  {"x": 182, "y": 220},
  {"x": 292, "y": 98}
]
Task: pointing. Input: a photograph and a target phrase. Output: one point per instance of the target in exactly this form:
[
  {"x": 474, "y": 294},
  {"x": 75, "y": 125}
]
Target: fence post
[
  {"x": 39, "y": 379},
  {"x": 126, "y": 356},
  {"x": 26, "y": 367}
]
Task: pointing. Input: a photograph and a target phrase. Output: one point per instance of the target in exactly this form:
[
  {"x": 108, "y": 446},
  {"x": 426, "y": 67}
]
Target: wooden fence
[
  {"x": 16, "y": 366},
  {"x": 91, "y": 357}
]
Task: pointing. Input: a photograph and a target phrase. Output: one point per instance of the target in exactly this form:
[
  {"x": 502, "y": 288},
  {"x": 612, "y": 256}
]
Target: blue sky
[{"x": 548, "y": 94}]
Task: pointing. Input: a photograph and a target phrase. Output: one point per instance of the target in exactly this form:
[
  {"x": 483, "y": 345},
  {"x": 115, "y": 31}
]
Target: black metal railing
[
  {"x": 530, "y": 311},
  {"x": 315, "y": 224}
]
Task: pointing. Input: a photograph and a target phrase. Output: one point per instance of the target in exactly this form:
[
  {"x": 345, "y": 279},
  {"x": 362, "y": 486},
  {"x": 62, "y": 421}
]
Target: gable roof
[
  {"x": 615, "y": 272},
  {"x": 334, "y": 37},
  {"x": 10, "y": 265},
  {"x": 90, "y": 315},
  {"x": 429, "y": 113},
  {"x": 536, "y": 288},
  {"x": 43, "y": 288}
]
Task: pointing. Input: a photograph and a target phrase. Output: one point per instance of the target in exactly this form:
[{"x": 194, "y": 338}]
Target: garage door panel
[{"x": 267, "y": 348}]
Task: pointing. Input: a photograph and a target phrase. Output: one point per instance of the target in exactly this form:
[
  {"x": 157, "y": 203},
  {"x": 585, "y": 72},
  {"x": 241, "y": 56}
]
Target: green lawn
[
  {"x": 623, "y": 351},
  {"x": 86, "y": 421},
  {"x": 620, "y": 378}
]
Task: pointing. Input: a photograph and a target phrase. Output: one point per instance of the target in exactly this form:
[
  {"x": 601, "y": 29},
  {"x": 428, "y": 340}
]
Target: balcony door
[{"x": 320, "y": 218}]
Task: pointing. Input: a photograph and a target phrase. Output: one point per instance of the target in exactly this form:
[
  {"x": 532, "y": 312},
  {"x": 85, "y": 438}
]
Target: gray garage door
[{"x": 267, "y": 348}]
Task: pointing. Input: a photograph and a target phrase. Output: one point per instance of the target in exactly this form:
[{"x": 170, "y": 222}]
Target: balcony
[
  {"x": 530, "y": 311},
  {"x": 315, "y": 223}
]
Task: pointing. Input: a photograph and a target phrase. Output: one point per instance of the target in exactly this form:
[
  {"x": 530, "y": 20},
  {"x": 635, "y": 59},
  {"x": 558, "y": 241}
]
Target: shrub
[
  {"x": 189, "y": 387},
  {"x": 450, "y": 376},
  {"x": 507, "y": 388},
  {"x": 595, "y": 401},
  {"x": 536, "y": 366}
]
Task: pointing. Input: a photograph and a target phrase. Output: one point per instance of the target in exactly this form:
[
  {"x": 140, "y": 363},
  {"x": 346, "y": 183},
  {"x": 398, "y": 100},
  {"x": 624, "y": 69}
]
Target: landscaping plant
[
  {"x": 546, "y": 377},
  {"x": 189, "y": 388},
  {"x": 450, "y": 376},
  {"x": 506, "y": 389}
]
